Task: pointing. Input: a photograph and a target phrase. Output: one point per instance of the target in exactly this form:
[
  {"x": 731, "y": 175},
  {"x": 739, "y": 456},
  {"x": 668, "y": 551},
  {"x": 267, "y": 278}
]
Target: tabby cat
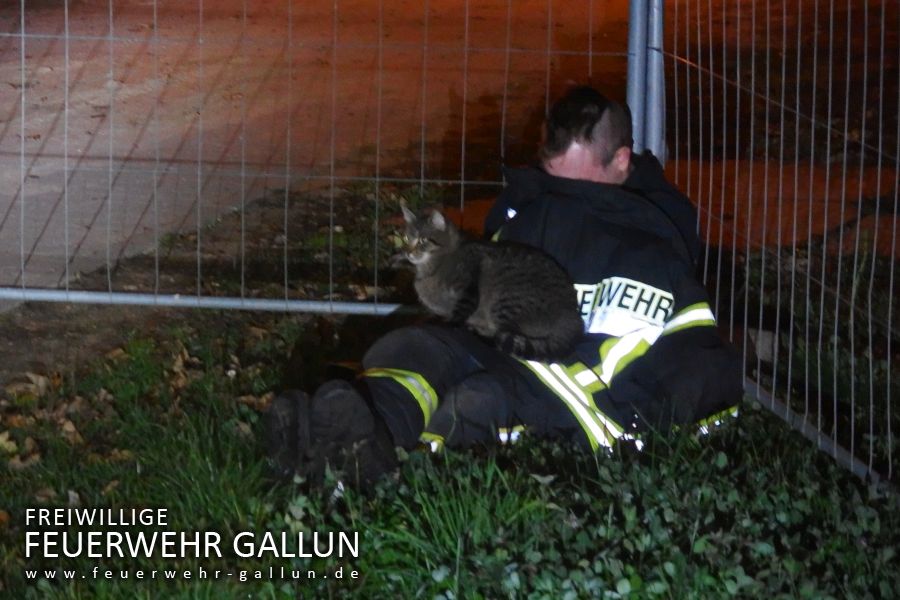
[{"x": 513, "y": 294}]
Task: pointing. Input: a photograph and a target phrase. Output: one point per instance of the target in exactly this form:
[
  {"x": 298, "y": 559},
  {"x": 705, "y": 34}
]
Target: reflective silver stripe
[
  {"x": 613, "y": 429},
  {"x": 697, "y": 314},
  {"x": 426, "y": 391},
  {"x": 586, "y": 378},
  {"x": 585, "y": 415},
  {"x": 638, "y": 443},
  {"x": 509, "y": 436}
]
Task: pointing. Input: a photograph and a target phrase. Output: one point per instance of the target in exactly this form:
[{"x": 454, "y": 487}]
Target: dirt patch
[{"x": 286, "y": 245}]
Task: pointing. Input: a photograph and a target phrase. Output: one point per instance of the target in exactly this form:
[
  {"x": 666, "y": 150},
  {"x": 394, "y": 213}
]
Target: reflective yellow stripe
[
  {"x": 600, "y": 430},
  {"x": 415, "y": 384},
  {"x": 617, "y": 353},
  {"x": 695, "y": 315},
  {"x": 716, "y": 420},
  {"x": 613, "y": 429},
  {"x": 434, "y": 441},
  {"x": 586, "y": 378},
  {"x": 606, "y": 346}
]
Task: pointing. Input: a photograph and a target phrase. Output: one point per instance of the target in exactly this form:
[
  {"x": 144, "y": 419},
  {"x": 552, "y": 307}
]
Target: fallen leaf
[
  {"x": 35, "y": 387},
  {"x": 45, "y": 495},
  {"x": 116, "y": 355},
  {"x": 179, "y": 381},
  {"x": 71, "y": 433},
  {"x": 258, "y": 403},
  {"x": 16, "y": 463},
  {"x": 7, "y": 444},
  {"x": 245, "y": 429},
  {"x": 41, "y": 383},
  {"x": 108, "y": 489},
  {"x": 543, "y": 479},
  {"x": 21, "y": 391},
  {"x": 257, "y": 332},
  {"x": 19, "y": 421},
  {"x": 77, "y": 406},
  {"x": 178, "y": 363},
  {"x": 29, "y": 446},
  {"x": 4, "y": 518},
  {"x": 118, "y": 455}
]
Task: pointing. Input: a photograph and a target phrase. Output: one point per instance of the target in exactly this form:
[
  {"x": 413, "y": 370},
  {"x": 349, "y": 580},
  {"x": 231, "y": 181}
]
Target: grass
[
  {"x": 832, "y": 358},
  {"x": 751, "y": 510}
]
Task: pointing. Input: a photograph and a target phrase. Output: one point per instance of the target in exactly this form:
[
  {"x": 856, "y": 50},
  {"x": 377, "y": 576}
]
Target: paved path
[{"x": 220, "y": 110}]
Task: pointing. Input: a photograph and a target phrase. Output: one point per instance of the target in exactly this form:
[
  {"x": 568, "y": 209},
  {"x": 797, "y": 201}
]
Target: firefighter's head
[{"x": 587, "y": 136}]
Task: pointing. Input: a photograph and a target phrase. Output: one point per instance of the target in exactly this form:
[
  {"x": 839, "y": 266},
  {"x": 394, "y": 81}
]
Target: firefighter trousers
[{"x": 444, "y": 386}]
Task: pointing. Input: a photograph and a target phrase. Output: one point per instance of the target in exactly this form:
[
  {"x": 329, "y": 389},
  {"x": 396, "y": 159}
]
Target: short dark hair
[{"x": 585, "y": 115}]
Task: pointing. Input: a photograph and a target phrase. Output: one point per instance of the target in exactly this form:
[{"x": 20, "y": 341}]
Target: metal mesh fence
[
  {"x": 250, "y": 154},
  {"x": 785, "y": 132}
]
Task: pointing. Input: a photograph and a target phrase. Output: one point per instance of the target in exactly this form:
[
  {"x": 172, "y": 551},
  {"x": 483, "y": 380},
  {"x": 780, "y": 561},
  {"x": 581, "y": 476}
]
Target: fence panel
[
  {"x": 212, "y": 153},
  {"x": 783, "y": 121}
]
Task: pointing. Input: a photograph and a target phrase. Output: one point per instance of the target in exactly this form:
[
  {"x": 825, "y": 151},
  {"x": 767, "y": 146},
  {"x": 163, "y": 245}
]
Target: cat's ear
[
  {"x": 438, "y": 221},
  {"x": 408, "y": 215}
]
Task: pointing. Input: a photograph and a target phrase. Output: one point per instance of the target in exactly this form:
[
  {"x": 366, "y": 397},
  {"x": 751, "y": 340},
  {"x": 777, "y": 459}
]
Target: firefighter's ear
[{"x": 621, "y": 163}]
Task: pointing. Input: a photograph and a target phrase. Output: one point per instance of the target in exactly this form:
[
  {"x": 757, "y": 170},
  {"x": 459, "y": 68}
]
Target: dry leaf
[
  {"x": 56, "y": 380},
  {"x": 29, "y": 446},
  {"x": 35, "y": 387},
  {"x": 116, "y": 355},
  {"x": 16, "y": 463},
  {"x": 71, "y": 433},
  {"x": 108, "y": 489},
  {"x": 244, "y": 429},
  {"x": 178, "y": 381},
  {"x": 19, "y": 421},
  {"x": 4, "y": 518},
  {"x": 178, "y": 364},
  {"x": 45, "y": 495},
  {"x": 257, "y": 332},
  {"x": 7, "y": 444},
  {"x": 258, "y": 403},
  {"x": 77, "y": 406},
  {"x": 121, "y": 455},
  {"x": 21, "y": 390}
]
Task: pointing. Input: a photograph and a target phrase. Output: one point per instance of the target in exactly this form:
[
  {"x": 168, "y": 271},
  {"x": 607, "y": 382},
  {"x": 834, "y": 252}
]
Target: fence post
[
  {"x": 655, "y": 103},
  {"x": 646, "y": 83},
  {"x": 637, "y": 69}
]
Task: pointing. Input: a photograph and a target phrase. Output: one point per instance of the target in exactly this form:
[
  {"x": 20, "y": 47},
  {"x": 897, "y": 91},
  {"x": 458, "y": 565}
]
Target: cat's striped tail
[{"x": 554, "y": 346}]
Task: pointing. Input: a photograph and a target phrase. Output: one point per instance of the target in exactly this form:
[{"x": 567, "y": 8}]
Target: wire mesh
[
  {"x": 240, "y": 150},
  {"x": 251, "y": 155},
  {"x": 803, "y": 258}
]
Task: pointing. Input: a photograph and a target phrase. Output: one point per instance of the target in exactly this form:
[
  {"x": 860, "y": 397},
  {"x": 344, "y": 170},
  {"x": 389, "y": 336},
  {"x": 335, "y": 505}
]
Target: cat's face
[{"x": 426, "y": 236}]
